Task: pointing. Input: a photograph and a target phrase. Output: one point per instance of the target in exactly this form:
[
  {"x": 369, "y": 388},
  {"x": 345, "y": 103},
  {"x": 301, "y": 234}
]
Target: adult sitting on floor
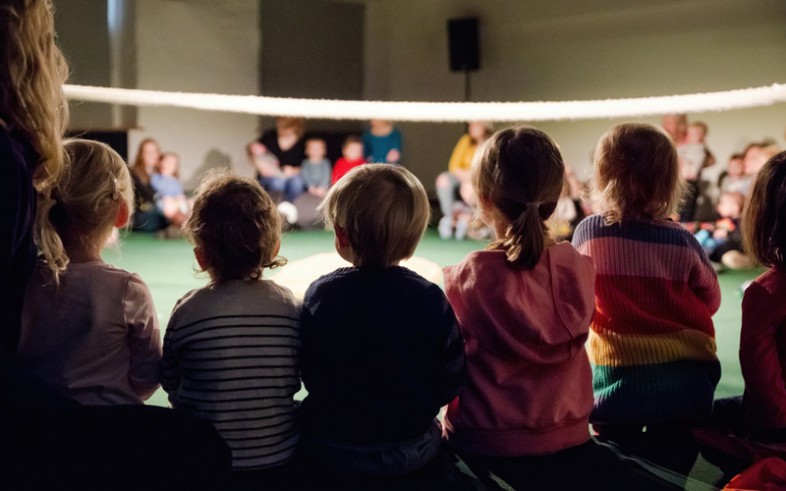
[{"x": 277, "y": 157}]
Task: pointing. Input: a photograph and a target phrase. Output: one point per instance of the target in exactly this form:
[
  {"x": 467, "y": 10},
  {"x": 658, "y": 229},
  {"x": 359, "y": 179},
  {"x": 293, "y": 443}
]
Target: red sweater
[
  {"x": 529, "y": 387},
  {"x": 343, "y": 166},
  {"x": 763, "y": 350}
]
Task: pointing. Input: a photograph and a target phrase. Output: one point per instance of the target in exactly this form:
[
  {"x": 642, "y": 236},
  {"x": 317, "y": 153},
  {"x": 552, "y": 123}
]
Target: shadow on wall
[{"x": 213, "y": 160}]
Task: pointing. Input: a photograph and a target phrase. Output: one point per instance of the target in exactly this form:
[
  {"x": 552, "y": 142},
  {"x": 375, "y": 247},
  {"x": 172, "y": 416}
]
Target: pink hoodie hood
[{"x": 529, "y": 388}]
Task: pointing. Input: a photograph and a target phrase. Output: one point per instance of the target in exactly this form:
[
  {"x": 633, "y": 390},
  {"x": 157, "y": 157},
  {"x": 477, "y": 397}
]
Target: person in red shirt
[
  {"x": 763, "y": 336},
  {"x": 351, "y": 157}
]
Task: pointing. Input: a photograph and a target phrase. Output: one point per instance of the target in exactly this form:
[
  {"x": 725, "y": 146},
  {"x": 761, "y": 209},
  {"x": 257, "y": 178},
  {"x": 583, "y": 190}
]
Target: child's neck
[{"x": 79, "y": 251}]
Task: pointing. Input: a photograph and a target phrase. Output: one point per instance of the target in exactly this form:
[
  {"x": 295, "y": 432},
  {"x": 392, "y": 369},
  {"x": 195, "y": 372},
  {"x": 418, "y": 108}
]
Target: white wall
[
  {"x": 198, "y": 46},
  {"x": 571, "y": 49}
]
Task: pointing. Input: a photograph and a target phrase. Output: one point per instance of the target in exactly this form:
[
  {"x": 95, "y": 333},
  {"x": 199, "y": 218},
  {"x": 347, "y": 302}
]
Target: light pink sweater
[{"x": 529, "y": 388}]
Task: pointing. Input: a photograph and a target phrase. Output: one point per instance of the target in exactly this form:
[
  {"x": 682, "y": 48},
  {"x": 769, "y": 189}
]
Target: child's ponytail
[
  {"x": 526, "y": 237},
  {"x": 520, "y": 172}
]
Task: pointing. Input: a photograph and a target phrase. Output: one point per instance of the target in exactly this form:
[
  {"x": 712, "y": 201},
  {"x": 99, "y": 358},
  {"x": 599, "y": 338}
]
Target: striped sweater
[
  {"x": 231, "y": 356},
  {"x": 652, "y": 341}
]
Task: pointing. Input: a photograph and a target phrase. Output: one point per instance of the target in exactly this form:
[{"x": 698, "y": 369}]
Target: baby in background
[
  {"x": 231, "y": 350},
  {"x": 315, "y": 170},
  {"x": 171, "y": 197},
  {"x": 733, "y": 180},
  {"x": 351, "y": 157},
  {"x": 89, "y": 329},
  {"x": 382, "y": 351}
]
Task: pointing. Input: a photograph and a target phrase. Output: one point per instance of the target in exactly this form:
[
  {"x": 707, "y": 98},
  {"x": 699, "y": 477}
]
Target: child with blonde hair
[
  {"x": 524, "y": 305},
  {"x": 652, "y": 340},
  {"x": 381, "y": 348},
  {"x": 89, "y": 329},
  {"x": 232, "y": 348},
  {"x": 763, "y": 336}
]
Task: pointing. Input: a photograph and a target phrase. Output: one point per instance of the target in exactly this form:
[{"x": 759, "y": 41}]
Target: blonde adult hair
[
  {"x": 32, "y": 73},
  {"x": 520, "y": 172},
  {"x": 84, "y": 203},
  {"x": 236, "y": 225},
  {"x": 383, "y": 210},
  {"x": 637, "y": 173}
]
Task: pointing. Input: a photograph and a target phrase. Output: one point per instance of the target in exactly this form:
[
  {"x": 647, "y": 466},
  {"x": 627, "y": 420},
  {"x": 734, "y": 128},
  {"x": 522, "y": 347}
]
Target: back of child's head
[
  {"x": 236, "y": 227},
  {"x": 764, "y": 220},
  {"x": 383, "y": 210},
  {"x": 521, "y": 173},
  {"x": 85, "y": 202},
  {"x": 637, "y": 173}
]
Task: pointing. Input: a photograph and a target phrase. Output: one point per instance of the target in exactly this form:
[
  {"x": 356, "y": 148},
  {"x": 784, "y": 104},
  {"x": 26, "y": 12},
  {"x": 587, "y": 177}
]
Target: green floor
[{"x": 167, "y": 266}]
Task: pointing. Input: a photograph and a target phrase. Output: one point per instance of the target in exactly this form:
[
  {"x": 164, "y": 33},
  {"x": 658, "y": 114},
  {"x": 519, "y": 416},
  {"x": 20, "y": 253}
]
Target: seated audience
[
  {"x": 351, "y": 157},
  {"x": 231, "y": 350},
  {"x": 382, "y": 351},
  {"x": 382, "y": 142},
  {"x": 89, "y": 330}
]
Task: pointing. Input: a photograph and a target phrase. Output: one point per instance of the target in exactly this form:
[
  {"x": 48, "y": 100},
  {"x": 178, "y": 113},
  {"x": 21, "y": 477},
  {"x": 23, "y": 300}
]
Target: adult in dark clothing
[
  {"x": 47, "y": 442},
  {"x": 277, "y": 156}
]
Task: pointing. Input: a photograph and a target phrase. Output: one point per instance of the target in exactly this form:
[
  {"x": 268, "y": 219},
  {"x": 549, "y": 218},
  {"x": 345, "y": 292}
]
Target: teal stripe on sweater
[{"x": 680, "y": 391}]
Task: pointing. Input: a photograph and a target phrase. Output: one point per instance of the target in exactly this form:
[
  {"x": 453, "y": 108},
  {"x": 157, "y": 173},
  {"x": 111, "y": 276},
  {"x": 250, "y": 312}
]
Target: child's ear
[
  {"x": 123, "y": 214},
  {"x": 341, "y": 237},
  {"x": 278, "y": 248},
  {"x": 199, "y": 254}
]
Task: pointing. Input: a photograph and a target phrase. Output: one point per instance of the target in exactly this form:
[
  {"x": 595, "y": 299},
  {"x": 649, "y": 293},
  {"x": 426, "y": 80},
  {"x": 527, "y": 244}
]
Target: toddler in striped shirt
[
  {"x": 652, "y": 340},
  {"x": 231, "y": 349}
]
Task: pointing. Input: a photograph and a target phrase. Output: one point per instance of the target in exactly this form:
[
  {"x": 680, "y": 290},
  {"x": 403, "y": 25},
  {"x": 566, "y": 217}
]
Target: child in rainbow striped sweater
[{"x": 652, "y": 340}]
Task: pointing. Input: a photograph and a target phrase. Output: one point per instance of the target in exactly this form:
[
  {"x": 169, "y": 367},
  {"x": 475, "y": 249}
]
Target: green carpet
[{"x": 168, "y": 268}]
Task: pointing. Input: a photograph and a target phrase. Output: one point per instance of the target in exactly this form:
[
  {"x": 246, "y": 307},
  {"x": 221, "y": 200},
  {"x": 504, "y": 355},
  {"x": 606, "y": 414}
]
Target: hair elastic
[
  {"x": 115, "y": 189},
  {"x": 534, "y": 204}
]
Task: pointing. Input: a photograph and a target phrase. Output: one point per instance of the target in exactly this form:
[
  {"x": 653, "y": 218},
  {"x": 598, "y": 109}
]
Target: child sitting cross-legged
[
  {"x": 231, "y": 349},
  {"x": 381, "y": 348}
]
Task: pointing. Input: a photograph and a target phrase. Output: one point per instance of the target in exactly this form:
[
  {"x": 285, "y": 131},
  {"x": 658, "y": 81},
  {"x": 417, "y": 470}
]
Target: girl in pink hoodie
[{"x": 524, "y": 305}]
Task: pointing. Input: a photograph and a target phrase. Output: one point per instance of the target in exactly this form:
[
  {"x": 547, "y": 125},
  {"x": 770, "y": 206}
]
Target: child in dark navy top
[{"x": 381, "y": 348}]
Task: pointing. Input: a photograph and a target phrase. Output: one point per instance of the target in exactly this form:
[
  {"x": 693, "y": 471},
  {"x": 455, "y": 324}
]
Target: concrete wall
[
  {"x": 198, "y": 46},
  {"x": 83, "y": 35},
  {"x": 570, "y": 49}
]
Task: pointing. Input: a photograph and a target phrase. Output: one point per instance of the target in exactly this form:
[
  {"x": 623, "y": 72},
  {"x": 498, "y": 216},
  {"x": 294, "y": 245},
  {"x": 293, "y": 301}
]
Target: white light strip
[{"x": 438, "y": 111}]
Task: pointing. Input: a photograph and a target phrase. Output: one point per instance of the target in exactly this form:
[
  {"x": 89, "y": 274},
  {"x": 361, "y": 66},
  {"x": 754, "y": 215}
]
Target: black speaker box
[{"x": 463, "y": 44}]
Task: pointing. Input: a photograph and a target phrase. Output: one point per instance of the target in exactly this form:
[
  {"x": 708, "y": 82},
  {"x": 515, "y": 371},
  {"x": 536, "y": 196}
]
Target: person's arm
[
  {"x": 702, "y": 279},
  {"x": 144, "y": 338},
  {"x": 765, "y": 389},
  {"x": 169, "y": 369},
  {"x": 453, "y": 360}
]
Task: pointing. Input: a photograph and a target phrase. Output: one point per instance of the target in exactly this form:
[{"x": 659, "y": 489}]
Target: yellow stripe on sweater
[{"x": 611, "y": 349}]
